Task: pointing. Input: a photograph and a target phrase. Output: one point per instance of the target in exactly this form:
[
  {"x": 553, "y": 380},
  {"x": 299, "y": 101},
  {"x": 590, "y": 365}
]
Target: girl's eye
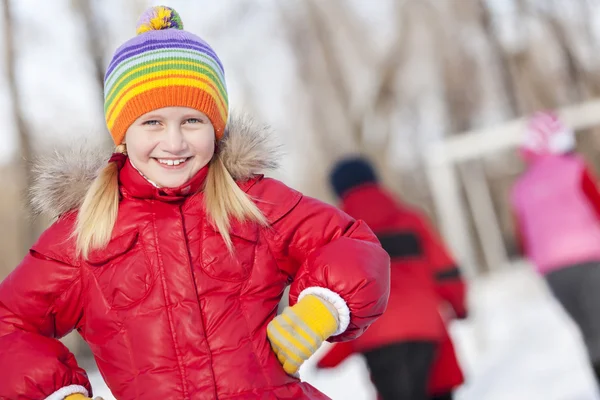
[
  {"x": 193, "y": 121},
  {"x": 151, "y": 122}
]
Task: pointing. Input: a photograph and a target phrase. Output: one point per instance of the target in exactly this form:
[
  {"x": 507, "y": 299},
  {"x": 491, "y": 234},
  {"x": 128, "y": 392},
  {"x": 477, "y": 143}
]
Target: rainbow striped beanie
[{"x": 163, "y": 66}]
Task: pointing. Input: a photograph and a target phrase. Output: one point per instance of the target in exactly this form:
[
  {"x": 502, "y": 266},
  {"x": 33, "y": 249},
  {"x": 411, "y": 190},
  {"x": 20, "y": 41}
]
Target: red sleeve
[
  {"x": 39, "y": 303},
  {"x": 449, "y": 282},
  {"x": 336, "y": 355},
  {"x": 319, "y": 246},
  {"x": 590, "y": 189}
]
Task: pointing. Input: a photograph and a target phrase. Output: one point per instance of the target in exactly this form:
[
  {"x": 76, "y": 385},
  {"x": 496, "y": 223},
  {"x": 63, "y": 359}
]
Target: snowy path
[{"x": 523, "y": 347}]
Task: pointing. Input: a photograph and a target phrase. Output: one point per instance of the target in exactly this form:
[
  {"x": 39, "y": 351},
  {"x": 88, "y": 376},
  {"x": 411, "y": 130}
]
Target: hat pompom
[{"x": 158, "y": 18}]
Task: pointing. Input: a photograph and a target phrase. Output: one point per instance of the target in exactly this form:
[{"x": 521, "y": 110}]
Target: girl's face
[{"x": 170, "y": 145}]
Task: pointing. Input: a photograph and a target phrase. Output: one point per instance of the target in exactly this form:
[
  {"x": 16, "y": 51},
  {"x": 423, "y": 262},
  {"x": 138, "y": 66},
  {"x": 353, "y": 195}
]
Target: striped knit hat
[{"x": 163, "y": 66}]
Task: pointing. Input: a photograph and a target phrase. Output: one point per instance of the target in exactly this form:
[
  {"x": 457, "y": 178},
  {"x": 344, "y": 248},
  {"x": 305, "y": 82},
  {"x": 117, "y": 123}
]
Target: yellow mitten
[
  {"x": 80, "y": 396},
  {"x": 299, "y": 331}
]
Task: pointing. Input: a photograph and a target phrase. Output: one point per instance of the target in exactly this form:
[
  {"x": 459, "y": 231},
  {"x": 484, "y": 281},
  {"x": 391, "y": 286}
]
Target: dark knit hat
[{"x": 350, "y": 173}]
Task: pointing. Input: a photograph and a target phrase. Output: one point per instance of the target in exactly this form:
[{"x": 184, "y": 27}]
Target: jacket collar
[{"x": 132, "y": 184}]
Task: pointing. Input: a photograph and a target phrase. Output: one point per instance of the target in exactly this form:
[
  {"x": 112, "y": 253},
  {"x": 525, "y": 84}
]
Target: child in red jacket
[
  {"x": 171, "y": 256},
  {"x": 408, "y": 350}
]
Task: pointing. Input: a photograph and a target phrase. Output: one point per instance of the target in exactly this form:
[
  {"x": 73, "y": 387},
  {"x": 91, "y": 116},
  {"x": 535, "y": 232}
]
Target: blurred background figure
[
  {"x": 408, "y": 351},
  {"x": 557, "y": 208}
]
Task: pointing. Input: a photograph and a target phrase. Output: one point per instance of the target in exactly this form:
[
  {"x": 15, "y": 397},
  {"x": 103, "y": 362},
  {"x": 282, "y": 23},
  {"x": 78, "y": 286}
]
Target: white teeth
[{"x": 171, "y": 162}]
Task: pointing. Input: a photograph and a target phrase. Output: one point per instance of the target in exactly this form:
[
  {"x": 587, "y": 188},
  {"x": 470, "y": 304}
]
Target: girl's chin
[
  {"x": 171, "y": 179},
  {"x": 171, "y": 185}
]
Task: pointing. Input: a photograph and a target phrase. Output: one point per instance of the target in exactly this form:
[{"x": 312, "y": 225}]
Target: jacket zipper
[{"x": 200, "y": 301}]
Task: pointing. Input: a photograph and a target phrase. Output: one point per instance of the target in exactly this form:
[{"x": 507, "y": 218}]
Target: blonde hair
[
  {"x": 224, "y": 201},
  {"x": 98, "y": 213}
]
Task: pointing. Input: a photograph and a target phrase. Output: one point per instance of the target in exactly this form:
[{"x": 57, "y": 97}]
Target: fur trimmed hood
[{"x": 62, "y": 179}]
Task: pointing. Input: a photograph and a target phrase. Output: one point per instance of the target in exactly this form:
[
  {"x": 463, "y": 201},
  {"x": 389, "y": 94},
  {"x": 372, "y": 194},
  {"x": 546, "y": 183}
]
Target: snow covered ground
[{"x": 518, "y": 345}]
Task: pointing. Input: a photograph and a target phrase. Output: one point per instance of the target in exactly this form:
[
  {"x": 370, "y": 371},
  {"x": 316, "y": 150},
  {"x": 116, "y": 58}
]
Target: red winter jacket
[
  {"x": 167, "y": 312},
  {"x": 422, "y": 275}
]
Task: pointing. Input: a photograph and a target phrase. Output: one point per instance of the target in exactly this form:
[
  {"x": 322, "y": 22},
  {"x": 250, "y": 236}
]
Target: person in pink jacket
[{"x": 556, "y": 204}]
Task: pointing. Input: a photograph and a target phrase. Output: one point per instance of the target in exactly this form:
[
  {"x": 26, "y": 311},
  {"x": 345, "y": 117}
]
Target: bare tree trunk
[
  {"x": 507, "y": 78},
  {"x": 573, "y": 70},
  {"x": 334, "y": 70},
  {"x": 459, "y": 70},
  {"x": 94, "y": 45},
  {"x": 28, "y": 231},
  {"x": 386, "y": 99},
  {"x": 325, "y": 76}
]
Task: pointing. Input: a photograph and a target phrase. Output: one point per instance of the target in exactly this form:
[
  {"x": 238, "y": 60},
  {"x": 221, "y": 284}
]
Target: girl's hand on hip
[{"x": 299, "y": 331}]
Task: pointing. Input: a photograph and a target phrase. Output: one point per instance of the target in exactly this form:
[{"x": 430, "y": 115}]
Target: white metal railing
[{"x": 440, "y": 159}]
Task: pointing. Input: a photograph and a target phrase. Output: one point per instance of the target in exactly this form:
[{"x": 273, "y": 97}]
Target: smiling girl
[
  {"x": 171, "y": 259},
  {"x": 171, "y": 144}
]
